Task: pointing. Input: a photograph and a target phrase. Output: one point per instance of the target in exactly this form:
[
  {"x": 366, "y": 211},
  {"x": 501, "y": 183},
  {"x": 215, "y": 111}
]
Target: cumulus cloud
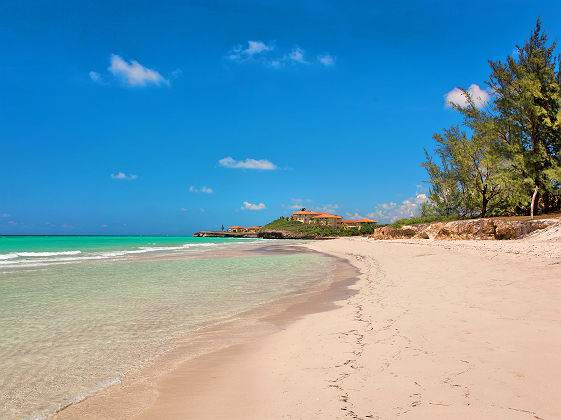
[
  {"x": 327, "y": 60},
  {"x": 203, "y": 189},
  {"x": 254, "y": 48},
  {"x": 297, "y": 55},
  {"x": 249, "y": 206},
  {"x": 392, "y": 211},
  {"x": 229, "y": 162},
  {"x": 458, "y": 97},
  {"x": 122, "y": 175},
  {"x": 135, "y": 74}
]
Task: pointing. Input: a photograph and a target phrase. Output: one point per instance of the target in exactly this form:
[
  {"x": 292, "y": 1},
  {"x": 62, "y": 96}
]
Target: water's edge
[{"x": 135, "y": 391}]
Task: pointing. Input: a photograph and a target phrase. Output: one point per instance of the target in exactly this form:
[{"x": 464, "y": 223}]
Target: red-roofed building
[
  {"x": 328, "y": 219},
  {"x": 253, "y": 229},
  {"x": 236, "y": 229},
  {"x": 304, "y": 216},
  {"x": 347, "y": 224}
]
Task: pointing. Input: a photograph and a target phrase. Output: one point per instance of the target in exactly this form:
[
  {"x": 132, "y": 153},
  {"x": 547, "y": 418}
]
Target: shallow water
[{"x": 70, "y": 328}]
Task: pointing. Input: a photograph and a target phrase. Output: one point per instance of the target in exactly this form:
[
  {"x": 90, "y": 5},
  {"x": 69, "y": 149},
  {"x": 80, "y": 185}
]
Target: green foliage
[
  {"x": 513, "y": 146},
  {"x": 294, "y": 226}
]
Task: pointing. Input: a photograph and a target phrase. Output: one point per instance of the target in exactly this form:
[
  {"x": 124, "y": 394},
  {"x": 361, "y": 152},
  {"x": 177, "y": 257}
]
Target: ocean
[{"x": 79, "y": 313}]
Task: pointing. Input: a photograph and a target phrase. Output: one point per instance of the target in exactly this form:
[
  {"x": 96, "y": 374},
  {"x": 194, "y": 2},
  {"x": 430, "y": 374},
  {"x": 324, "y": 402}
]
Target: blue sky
[{"x": 154, "y": 117}]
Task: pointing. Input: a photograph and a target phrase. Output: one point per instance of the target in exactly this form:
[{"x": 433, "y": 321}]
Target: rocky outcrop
[
  {"x": 463, "y": 229},
  {"x": 283, "y": 234}
]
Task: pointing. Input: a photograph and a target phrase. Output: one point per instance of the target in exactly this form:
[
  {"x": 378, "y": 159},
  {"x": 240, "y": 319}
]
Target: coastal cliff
[{"x": 488, "y": 229}]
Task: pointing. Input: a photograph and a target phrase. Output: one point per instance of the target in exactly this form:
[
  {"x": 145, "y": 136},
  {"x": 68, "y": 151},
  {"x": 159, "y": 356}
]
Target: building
[
  {"x": 253, "y": 229},
  {"x": 348, "y": 224},
  {"x": 328, "y": 220},
  {"x": 304, "y": 216},
  {"x": 236, "y": 229}
]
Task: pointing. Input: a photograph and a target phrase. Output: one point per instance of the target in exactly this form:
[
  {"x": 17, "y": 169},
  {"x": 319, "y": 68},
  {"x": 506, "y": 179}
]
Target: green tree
[{"x": 525, "y": 115}]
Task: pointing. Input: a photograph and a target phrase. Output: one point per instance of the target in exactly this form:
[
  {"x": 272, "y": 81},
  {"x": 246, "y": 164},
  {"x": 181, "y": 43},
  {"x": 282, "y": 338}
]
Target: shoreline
[
  {"x": 429, "y": 330},
  {"x": 136, "y": 391}
]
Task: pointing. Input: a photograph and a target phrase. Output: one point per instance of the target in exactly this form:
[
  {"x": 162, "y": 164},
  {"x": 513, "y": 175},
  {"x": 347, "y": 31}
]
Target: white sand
[{"x": 450, "y": 330}]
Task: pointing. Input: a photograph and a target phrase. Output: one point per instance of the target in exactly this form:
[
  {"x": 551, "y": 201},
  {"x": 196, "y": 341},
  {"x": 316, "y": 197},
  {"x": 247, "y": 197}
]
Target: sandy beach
[{"x": 430, "y": 329}]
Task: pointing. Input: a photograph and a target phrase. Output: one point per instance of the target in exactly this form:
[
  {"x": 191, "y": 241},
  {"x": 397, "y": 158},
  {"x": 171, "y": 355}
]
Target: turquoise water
[
  {"x": 27, "y": 249},
  {"x": 72, "y": 324}
]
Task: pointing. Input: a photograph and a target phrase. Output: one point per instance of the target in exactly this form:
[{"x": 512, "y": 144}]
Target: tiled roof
[
  {"x": 327, "y": 216},
  {"x": 236, "y": 227},
  {"x": 305, "y": 212}
]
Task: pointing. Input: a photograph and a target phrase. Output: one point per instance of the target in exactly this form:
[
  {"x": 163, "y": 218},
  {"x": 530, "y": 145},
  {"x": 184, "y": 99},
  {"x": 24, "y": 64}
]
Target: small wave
[
  {"x": 8, "y": 256},
  {"x": 79, "y": 397},
  {"x": 12, "y": 255}
]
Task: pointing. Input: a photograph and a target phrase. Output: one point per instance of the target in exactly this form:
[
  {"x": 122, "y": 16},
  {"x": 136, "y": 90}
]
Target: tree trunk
[
  {"x": 546, "y": 202},
  {"x": 533, "y": 201},
  {"x": 484, "y": 202}
]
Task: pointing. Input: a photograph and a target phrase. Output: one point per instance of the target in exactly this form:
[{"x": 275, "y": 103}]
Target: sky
[{"x": 169, "y": 117}]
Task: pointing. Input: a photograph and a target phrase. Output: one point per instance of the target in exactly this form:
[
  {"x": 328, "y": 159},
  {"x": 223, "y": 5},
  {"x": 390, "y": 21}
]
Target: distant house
[
  {"x": 304, "y": 216},
  {"x": 236, "y": 229},
  {"x": 328, "y": 219},
  {"x": 348, "y": 224},
  {"x": 253, "y": 229}
]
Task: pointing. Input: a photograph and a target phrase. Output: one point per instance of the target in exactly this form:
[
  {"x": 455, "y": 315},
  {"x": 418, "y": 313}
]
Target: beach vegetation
[
  {"x": 316, "y": 229},
  {"x": 505, "y": 157}
]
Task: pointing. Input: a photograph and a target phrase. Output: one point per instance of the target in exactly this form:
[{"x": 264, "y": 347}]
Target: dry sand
[{"x": 454, "y": 330}]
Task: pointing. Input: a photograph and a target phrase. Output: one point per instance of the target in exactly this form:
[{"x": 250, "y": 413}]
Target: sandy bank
[{"x": 436, "y": 330}]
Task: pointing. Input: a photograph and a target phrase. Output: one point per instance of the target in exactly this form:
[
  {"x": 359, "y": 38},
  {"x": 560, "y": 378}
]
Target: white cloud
[
  {"x": 267, "y": 55},
  {"x": 3, "y": 215},
  {"x": 104, "y": 225},
  {"x": 327, "y": 60},
  {"x": 354, "y": 216},
  {"x": 297, "y": 55},
  {"x": 254, "y": 48},
  {"x": 229, "y": 162},
  {"x": 297, "y": 203},
  {"x": 183, "y": 209},
  {"x": 203, "y": 189},
  {"x": 249, "y": 206},
  {"x": 457, "y": 96},
  {"x": 327, "y": 208},
  {"x": 392, "y": 211},
  {"x": 134, "y": 73},
  {"x": 122, "y": 175},
  {"x": 95, "y": 76}
]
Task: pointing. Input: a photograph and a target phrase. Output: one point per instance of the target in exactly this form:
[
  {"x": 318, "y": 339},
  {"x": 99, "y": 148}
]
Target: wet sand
[
  {"x": 455, "y": 329},
  {"x": 190, "y": 364}
]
